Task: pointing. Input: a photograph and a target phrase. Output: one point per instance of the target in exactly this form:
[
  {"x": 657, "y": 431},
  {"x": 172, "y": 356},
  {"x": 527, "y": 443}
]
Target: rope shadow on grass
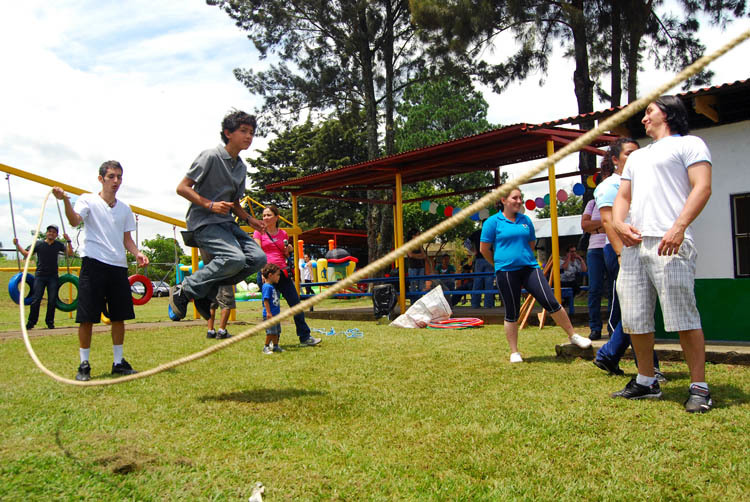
[{"x": 262, "y": 395}]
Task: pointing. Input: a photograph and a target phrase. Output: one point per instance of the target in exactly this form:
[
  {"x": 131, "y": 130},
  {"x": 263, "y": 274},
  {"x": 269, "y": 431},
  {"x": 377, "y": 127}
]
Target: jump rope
[{"x": 427, "y": 236}]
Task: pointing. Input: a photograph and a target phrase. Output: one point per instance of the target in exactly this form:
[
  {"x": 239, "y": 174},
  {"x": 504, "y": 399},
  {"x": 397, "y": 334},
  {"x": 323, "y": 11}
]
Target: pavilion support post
[
  {"x": 553, "y": 223},
  {"x": 398, "y": 236},
  {"x": 295, "y": 224}
]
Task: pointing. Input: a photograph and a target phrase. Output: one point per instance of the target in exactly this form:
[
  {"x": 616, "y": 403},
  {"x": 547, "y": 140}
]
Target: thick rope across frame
[{"x": 427, "y": 236}]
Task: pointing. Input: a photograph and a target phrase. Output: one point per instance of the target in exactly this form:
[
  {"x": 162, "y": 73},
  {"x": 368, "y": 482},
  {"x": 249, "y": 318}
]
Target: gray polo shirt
[{"x": 217, "y": 177}]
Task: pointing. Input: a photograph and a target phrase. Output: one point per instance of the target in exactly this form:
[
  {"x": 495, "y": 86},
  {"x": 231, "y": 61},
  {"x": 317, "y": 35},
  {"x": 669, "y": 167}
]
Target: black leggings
[{"x": 532, "y": 279}]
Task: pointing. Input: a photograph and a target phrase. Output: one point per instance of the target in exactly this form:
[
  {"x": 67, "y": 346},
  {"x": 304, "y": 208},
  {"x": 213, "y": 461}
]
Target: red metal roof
[
  {"x": 481, "y": 152},
  {"x": 343, "y": 237},
  {"x": 738, "y": 86}
]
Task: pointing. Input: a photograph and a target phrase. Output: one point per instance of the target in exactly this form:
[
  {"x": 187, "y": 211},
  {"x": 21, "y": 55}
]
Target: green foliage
[
  {"x": 572, "y": 206},
  {"x": 309, "y": 149},
  {"x": 601, "y": 37},
  {"x": 161, "y": 254},
  {"x": 436, "y": 111},
  {"x": 439, "y": 110}
]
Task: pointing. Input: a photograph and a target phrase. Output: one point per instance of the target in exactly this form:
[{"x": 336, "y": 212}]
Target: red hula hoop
[{"x": 457, "y": 323}]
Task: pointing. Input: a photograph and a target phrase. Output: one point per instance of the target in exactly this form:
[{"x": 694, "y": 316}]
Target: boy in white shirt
[{"x": 103, "y": 282}]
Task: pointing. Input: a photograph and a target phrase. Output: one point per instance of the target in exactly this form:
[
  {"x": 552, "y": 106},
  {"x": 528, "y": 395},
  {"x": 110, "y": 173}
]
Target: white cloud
[{"x": 145, "y": 83}]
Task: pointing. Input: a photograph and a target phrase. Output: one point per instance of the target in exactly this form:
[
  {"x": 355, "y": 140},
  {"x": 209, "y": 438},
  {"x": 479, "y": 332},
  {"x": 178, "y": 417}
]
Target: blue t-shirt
[
  {"x": 269, "y": 293},
  {"x": 510, "y": 241}
]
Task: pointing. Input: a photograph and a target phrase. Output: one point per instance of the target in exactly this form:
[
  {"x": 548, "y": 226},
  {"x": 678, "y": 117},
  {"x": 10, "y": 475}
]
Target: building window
[{"x": 740, "y": 204}]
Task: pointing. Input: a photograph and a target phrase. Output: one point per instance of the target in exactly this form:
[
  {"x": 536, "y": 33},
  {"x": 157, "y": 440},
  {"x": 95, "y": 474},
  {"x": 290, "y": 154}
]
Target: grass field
[{"x": 395, "y": 415}]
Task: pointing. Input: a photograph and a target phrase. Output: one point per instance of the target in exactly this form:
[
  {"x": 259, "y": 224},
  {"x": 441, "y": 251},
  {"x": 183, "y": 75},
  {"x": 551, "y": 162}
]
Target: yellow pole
[
  {"x": 194, "y": 264},
  {"x": 70, "y": 188},
  {"x": 399, "y": 237},
  {"x": 295, "y": 222},
  {"x": 553, "y": 222},
  {"x": 233, "y": 312}
]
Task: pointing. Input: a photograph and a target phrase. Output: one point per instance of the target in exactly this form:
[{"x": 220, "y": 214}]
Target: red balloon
[
  {"x": 530, "y": 205},
  {"x": 448, "y": 211}
]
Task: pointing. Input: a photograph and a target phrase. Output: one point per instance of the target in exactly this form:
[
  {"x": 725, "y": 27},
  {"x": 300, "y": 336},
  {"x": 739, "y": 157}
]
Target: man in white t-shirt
[
  {"x": 665, "y": 186},
  {"x": 103, "y": 282}
]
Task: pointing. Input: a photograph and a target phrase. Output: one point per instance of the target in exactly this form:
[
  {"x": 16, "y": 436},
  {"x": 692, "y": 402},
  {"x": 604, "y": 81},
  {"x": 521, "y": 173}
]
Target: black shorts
[{"x": 103, "y": 286}]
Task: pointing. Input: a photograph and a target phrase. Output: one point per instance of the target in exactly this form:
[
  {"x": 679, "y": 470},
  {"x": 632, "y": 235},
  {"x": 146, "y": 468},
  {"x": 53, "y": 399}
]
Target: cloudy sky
[{"x": 147, "y": 83}]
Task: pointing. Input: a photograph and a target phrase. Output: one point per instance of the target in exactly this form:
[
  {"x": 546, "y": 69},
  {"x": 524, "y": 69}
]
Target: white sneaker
[
  {"x": 580, "y": 341},
  {"x": 515, "y": 357}
]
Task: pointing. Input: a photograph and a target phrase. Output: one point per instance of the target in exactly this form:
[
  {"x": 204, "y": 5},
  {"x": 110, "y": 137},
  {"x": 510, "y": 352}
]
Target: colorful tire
[
  {"x": 61, "y": 305},
  {"x": 13, "y": 291},
  {"x": 148, "y": 288}
]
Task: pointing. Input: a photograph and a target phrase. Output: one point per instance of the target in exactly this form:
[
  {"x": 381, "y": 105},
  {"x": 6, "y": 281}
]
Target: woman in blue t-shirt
[{"x": 511, "y": 235}]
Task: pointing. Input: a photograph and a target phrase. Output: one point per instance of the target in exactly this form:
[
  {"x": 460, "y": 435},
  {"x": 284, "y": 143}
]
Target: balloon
[
  {"x": 539, "y": 202},
  {"x": 474, "y": 217},
  {"x": 433, "y": 207},
  {"x": 440, "y": 209},
  {"x": 456, "y": 209},
  {"x": 546, "y": 200},
  {"x": 425, "y": 205},
  {"x": 484, "y": 214},
  {"x": 590, "y": 182},
  {"x": 578, "y": 189},
  {"x": 530, "y": 205},
  {"x": 562, "y": 195},
  {"x": 448, "y": 211}
]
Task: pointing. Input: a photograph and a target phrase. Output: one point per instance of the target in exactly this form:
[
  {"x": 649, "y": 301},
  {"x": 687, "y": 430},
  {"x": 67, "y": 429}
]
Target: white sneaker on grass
[
  {"x": 580, "y": 341},
  {"x": 515, "y": 357}
]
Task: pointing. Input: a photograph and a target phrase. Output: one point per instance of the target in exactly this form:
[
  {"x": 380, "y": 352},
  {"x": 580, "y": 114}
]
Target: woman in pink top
[{"x": 274, "y": 243}]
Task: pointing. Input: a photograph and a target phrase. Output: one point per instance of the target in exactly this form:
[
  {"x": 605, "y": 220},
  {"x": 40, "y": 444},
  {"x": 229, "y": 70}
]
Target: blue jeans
[
  {"x": 416, "y": 285},
  {"x": 235, "y": 256},
  {"x": 482, "y": 265},
  {"x": 619, "y": 341},
  {"x": 599, "y": 280},
  {"x": 288, "y": 290},
  {"x": 40, "y": 282}
]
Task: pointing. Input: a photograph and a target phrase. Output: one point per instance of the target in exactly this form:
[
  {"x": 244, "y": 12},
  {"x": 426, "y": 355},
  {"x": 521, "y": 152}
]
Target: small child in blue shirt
[{"x": 271, "y": 274}]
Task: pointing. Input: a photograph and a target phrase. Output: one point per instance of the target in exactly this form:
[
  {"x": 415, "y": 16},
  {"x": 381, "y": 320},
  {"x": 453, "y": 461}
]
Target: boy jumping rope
[{"x": 214, "y": 185}]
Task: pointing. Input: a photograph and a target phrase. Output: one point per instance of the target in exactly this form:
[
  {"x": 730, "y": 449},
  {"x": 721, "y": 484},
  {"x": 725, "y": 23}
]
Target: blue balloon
[
  {"x": 579, "y": 189},
  {"x": 474, "y": 217}
]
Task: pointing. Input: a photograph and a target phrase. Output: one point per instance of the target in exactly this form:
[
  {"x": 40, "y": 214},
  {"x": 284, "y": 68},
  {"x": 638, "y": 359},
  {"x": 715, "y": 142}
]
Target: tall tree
[
  {"x": 333, "y": 55},
  {"x": 436, "y": 111},
  {"x": 309, "y": 149}
]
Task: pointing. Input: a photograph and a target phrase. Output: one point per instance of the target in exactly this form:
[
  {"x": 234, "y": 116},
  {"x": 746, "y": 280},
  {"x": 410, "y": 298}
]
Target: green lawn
[{"x": 395, "y": 415}]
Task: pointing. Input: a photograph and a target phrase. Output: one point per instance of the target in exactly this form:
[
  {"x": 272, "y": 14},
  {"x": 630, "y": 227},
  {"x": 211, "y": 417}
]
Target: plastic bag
[{"x": 430, "y": 308}]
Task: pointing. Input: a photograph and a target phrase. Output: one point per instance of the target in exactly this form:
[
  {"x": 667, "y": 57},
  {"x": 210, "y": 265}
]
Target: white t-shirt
[
  {"x": 306, "y": 271},
  {"x": 605, "y": 194},
  {"x": 659, "y": 182},
  {"x": 596, "y": 241},
  {"x": 104, "y": 228}
]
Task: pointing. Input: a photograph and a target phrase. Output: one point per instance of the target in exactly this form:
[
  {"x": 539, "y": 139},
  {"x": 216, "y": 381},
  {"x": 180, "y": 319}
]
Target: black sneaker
[
  {"x": 122, "y": 368},
  {"x": 210, "y": 334},
  {"x": 178, "y": 300},
  {"x": 50, "y": 326},
  {"x": 84, "y": 372},
  {"x": 609, "y": 367},
  {"x": 310, "y": 341},
  {"x": 634, "y": 390},
  {"x": 203, "y": 306},
  {"x": 29, "y": 326},
  {"x": 222, "y": 334},
  {"x": 699, "y": 400},
  {"x": 659, "y": 376},
  {"x": 595, "y": 335}
]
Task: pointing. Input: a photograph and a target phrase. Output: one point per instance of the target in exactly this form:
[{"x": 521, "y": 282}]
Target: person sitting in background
[{"x": 570, "y": 266}]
